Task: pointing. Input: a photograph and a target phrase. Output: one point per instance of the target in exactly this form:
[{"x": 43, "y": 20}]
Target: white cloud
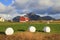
[
  {"x": 56, "y": 6},
  {"x": 7, "y": 12},
  {"x": 45, "y": 2},
  {"x": 5, "y": 9},
  {"x": 2, "y": 7},
  {"x": 19, "y": 6},
  {"x": 5, "y": 16},
  {"x": 32, "y": 4},
  {"x": 37, "y": 4},
  {"x": 21, "y": 1}
]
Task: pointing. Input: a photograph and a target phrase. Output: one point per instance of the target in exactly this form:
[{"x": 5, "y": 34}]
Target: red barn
[{"x": 24, "y": 19}]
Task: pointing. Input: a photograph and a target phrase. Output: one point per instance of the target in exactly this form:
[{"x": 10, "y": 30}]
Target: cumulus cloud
[
  {"x": 42, "y": 5},
  {"x": 7, "y": 12},
  {"x": 21, "y": 1},
  {"x": 32, "y": 4},
  {"x": 6, "y": 9},
  {"x": 56, "y": 5},
  {"x": 2, "y": 7},
  {"x": 45, "y": 3},
  {"x": 25, "y": 6}
]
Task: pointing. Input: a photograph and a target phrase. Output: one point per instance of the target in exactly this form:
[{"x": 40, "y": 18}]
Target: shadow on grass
[
  {"x": 2, "y": 33},
  {"x": 39, "y": 31},
  {"x": 21, "y": 30}
]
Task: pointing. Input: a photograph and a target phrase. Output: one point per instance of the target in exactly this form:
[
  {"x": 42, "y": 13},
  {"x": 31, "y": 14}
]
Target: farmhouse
[
  {"x": 1, "y": 19},
  {"x": 20, "y": 19},
  {"x": 24, "y": 19}
]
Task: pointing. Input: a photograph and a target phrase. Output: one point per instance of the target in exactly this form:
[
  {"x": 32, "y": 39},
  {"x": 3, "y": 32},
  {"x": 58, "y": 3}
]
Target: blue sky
[
  {"x": 6, "y": 2},
  {"x": 12, "y": 8}
]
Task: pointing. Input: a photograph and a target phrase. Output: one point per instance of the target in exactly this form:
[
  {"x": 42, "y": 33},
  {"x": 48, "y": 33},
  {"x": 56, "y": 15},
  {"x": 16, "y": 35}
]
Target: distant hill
[
  {"x": 47, "y": 18},
  {"x": 33, "y": 16},
  {"x": 16, "y": 19}
]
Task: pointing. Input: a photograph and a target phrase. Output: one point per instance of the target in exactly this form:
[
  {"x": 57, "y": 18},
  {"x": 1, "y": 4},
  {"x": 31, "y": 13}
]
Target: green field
[{"x": 22, "y": 27}]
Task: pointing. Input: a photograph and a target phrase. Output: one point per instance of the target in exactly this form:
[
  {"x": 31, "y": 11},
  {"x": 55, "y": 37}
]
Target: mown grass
[
  {"x": 21, "y": 31},
  {"x": 17, "y": 26}
]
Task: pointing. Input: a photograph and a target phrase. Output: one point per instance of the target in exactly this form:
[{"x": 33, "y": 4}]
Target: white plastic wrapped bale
[
  {"x": 9, "y": 31},
  {"x": 32, "y": 29},
  {"x": 46, "y": 29},
  {"x": 48, "y": 22}
]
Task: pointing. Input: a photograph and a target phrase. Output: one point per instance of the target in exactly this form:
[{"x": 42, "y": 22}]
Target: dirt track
[{"x": 30, "y": 36}]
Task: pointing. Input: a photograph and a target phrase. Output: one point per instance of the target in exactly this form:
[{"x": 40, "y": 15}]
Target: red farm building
[{"x": 24, "y": 19}]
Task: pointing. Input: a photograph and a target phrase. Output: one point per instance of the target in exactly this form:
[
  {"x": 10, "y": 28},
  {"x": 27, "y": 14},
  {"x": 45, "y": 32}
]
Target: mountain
[
  {"x": 33, "y": 16},
  {"x": 16, "y": 19},
  {"x": 47, "y": 18}
]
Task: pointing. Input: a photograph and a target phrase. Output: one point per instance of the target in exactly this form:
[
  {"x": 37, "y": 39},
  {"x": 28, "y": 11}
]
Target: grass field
[
  {"x": 17, "y": 26},
  {"x": 22, "y": 33}
]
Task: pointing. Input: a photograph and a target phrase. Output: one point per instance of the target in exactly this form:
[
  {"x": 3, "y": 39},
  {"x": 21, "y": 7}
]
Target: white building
[{"x": 2, "y": 19}]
